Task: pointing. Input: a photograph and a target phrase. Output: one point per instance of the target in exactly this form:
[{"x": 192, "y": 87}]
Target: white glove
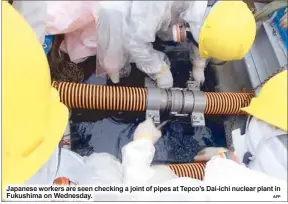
[
  {"x": 115, "y": 77},
  {"x": 207, "y": 153},
  {"x": 198, "y": 75},
  {"x": 164, "y": 78},
  {"x": 147, "y": 130}
]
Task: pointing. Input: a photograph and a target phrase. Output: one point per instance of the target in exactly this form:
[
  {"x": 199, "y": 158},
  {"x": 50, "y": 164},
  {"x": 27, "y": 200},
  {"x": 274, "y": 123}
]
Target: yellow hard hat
[
  {"x": 33, "y": 119},
  {"x": 228, "y": 32},
  {"x": 270, "y": 105}
]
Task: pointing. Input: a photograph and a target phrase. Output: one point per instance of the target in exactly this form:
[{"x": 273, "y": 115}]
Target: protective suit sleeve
[
  {"x": 138, "y": 155},
  {"x": 144, "y": 22},
  {"x": 195, "y": 16},
  {"x": 35, "y": 13},
  {"x": 106, "y": 168},
  {"x": 110, "y": 27}
]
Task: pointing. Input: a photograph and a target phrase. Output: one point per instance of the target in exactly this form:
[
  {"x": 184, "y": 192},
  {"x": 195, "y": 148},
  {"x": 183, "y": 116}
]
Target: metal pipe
[{"x": 182, "y": 101}]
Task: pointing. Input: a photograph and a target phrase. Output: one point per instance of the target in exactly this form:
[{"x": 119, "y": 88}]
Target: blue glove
[{"x": 48, "y": 43}]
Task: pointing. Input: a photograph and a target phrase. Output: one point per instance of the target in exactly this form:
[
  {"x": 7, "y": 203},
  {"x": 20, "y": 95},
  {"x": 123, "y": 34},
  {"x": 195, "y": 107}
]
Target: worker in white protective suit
[
  {"x": 224, "y": 31},
  {"x": 30, "y": 152},
  {"x": 90, "y": 28},
  {"x": 262, "y": 145}
]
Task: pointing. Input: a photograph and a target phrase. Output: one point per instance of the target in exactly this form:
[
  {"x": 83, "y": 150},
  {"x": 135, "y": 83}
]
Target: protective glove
[
  {"x": 164, "y": 78},
  {"x": 198, "y": 75},
  {"x": 147, "y": 130},
  {"x": 115, "y": 77},
  {"x": 207, "y": 153}
]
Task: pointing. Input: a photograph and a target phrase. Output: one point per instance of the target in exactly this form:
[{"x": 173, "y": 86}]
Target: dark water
[{"x": 108, "y": 132}]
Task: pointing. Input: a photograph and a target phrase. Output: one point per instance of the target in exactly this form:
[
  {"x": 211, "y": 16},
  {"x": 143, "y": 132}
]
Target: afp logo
[{"x": 276, "y": 196}]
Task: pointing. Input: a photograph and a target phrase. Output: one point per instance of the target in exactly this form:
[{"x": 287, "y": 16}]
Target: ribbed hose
[
  {"x": 115, "y": 98},
  {"x": 192, "y": 170},
  {"x": 226, "y": 103},
  {"x": 98, "y": 97}
]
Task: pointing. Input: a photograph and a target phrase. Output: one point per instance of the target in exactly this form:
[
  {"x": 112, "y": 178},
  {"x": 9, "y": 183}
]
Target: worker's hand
[
  {"x": 198, "y": 75},
  {"x": 115, "y": 77},
  {"x": 207, "y": 153},
  {"x": 147, "y": 130},
  {"x": 164, "y": 78},
  {"x": 283, "y": 21}
]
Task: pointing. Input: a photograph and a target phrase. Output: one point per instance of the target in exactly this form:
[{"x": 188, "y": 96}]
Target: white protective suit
[
  {"x": 136, "y": 169},
  {"x": 90, "y": 28},
  {"x": 261, "y": 147},
  {"x": 150, "y": 18},
  {"x": 267, "y": 146}
]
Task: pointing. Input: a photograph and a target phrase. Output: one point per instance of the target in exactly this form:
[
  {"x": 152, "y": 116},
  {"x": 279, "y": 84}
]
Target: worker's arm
[
  {"x": 195, "y": 16},
  {"x": 138, "y": 154},
  {"x": 110, "y": 37},
  {"x": 144, "y": 21}
]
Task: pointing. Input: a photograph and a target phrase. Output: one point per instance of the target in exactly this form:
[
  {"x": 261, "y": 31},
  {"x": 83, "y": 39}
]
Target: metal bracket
[
  {"x": 197, "y": 119},
  {"x": 154, "y": 115},
  {"x": 153, "y": 104},
  {"x": 193, "y": 85}
]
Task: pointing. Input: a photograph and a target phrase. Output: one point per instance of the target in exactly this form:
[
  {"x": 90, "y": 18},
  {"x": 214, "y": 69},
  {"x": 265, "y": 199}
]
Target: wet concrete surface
[{"x": 103, "y": 131}]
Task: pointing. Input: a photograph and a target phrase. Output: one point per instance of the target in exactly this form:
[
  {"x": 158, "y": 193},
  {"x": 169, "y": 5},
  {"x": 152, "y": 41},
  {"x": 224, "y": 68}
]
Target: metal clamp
[
  {"x": 153, "y": 105},
  {"x": 154, "y": 115},
  {"x": 197, "y": 119}
]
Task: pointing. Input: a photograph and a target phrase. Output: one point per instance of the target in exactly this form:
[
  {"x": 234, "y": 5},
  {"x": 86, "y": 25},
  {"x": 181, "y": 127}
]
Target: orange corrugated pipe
[
  {"x": 192, "y": 170},
  {"x": 76, "y": 95},
  {"x": 226, "y": 102},
  {"x": 98, "y": 97}
]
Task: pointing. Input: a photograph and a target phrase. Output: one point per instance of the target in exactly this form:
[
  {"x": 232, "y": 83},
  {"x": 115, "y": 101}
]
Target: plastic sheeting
[
  {"x": 89, "y": 27},
  {"x": 119, "y": 32},
  {"x": 34, "y": 12},
  {"x": 180, "y": 142}
]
